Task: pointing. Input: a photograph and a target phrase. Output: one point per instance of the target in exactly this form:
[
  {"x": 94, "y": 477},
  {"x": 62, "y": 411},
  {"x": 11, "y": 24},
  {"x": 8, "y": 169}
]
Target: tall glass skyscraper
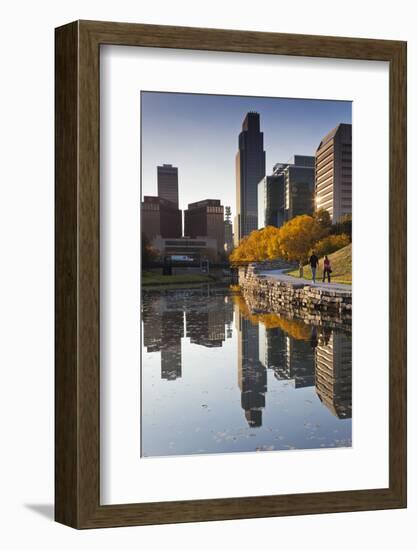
[
  {"x": 250, "y": 169},
  {"x": 271, "y": 195}
]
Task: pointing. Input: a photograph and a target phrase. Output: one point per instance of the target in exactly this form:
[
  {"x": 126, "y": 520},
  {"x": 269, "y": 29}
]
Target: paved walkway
[{"x": 299, "y": 283}]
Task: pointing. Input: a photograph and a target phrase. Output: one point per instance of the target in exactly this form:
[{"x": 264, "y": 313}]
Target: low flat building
[{"x": 195, "y": 249}]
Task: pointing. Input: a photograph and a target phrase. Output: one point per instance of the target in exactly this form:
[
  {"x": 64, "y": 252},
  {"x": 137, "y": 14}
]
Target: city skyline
[
  {"x": 198, "y": 134},
  {"x": 232, "y": 361}
]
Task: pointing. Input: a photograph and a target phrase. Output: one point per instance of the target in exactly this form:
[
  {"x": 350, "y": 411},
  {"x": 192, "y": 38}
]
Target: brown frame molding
[{"x": 77, "y": 274}]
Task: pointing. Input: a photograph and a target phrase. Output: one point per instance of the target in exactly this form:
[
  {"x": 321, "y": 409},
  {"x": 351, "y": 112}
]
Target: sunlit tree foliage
[{"x": 330, "y": 244}]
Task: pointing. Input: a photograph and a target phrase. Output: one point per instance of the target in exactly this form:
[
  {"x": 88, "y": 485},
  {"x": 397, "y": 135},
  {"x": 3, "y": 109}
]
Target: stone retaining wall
[
  {"x": 275, "y": 295},
  {"x": 255, "y": 267}
]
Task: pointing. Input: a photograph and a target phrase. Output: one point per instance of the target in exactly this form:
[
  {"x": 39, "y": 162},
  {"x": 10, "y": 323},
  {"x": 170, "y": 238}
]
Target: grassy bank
[
  {"x": 150, "y": 279},
  {"x": 341, "y": 263}
]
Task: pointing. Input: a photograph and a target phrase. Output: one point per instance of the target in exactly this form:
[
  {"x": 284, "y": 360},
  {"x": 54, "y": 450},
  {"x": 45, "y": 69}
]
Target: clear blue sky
[{"x": 199, "y": 135}]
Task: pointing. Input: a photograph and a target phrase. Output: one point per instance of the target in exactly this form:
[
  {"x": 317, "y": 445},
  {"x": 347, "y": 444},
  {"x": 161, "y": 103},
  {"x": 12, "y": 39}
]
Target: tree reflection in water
[{"x": 300, "y": 352}]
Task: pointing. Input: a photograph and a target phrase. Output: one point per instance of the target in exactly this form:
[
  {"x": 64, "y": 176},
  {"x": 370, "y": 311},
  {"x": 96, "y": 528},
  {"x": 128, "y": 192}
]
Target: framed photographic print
[{"x": 230, "y": 274}]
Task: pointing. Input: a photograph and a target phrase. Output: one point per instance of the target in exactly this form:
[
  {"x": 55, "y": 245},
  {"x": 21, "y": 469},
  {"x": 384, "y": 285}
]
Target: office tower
[
  {"x": 205, "y": 219},
  {"x": 333, "y": 372},
  {"x": 160, "y": 217},
  {"x": 271, "y": 192},
  {"x": 228, "y": 230},
  {"x": 250, "y": 169},
  {"x": 168, "y": 183},
  {"x": 333, "y": 183},
  {"x": 298, "y": 176}
]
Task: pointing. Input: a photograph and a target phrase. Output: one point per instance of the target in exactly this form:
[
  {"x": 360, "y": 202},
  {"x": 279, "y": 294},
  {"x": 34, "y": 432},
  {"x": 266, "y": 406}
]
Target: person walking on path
[
  {"x": 314, "y": 262},
  {"x": 327, "y": 269}
]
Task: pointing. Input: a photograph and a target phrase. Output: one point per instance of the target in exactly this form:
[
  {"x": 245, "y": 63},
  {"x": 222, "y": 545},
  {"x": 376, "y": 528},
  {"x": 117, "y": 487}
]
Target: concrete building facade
[
  {"x": 250, "y": 169},
  {"x": 333, "y": 181}
]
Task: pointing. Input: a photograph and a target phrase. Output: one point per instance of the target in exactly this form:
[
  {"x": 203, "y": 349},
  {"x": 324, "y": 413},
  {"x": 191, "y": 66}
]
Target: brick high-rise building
[
  {"x": 250, "y": 169},
  {"x": 168, "y": 183},
  {"x": 333, "y": 183},
  {"x": 160, "y": 217},
  {"x": 205, "y": 219}
]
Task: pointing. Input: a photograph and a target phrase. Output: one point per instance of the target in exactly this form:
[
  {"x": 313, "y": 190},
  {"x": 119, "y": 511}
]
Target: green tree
[
  {"x": 330, "y": 244},
  {"x": 149, "y": 253},
  {"x": 323, "y": 218},
  {"x": 343, "y": 226}
]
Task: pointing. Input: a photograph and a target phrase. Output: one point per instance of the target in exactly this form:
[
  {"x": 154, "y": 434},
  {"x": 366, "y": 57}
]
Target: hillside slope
[{"x": 341, "y": 262}]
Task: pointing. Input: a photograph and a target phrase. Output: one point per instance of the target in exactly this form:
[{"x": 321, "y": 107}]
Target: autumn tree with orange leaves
[
  {"x": 259, "y": 245},
  {"x": 293, "y": 241},
  {"x": 298, "y": 236}
]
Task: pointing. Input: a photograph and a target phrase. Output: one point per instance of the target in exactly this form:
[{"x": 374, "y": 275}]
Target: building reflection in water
[
  {"x": 333, "y": 366},
  {"x": 208, "y": 318},
  {"x": 163, "y": 329},
  {"x": 171, "y": 334},
  {"x": 288, "y": 357},
  {"x": 295, "y": 351},
  {"x": 204, "y": 315},
  {"x": 252, "y": 376},
  {"x": 305, "y": 354},
  {"x": 262, "y": 347}
]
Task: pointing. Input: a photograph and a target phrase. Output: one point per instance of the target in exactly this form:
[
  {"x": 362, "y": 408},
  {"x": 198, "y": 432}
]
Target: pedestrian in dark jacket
[{"x": 314, "y": 263}]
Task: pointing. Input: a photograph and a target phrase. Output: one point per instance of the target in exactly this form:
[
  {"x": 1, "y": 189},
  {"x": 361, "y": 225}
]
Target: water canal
[{"x": 218, "y": 378}]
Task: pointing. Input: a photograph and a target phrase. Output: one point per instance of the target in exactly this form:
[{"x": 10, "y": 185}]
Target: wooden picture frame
[{"x": 77, "y": 374}]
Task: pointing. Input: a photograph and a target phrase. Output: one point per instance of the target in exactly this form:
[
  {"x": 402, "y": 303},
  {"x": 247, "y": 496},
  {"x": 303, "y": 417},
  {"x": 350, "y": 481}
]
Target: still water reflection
[{"x": 218, "y": 378}]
